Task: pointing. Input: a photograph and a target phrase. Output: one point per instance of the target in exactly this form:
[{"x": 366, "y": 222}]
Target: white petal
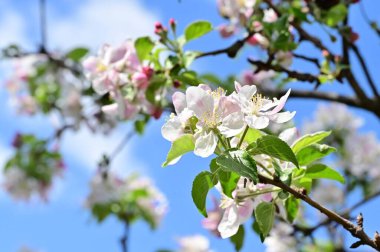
[
  {"x": 205, "y": 144},
  {"x": 245, "y": 210},
  {"x": 288, "y": 135},
  {"x": 199, "y": 101},
  {"x": 232, "y": 125},
  {"x": 172, "y": 129},
  {"x": 229, "y": 225},
  {"x": 281, "y": 104},
  {"x": 282, "y": 117},
  {"x": 179, "y": 102},
  {"x": 255, "y": 122}
]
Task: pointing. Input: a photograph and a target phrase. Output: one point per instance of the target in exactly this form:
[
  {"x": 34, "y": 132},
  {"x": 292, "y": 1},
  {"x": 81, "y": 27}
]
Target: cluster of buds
[
  {"x": 32, "y": 169},
  {"x": 117, "y": 72},
  {"x": 129, "y": 199}
]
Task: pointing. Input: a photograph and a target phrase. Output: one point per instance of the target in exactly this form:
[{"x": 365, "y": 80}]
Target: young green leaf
[
  {"x": 313, "y": 152},
  {"x": 264, "y": 215},
  {"x": 144, "y": 46},
  {"x": 275, "y": 147},
  {"x": 179, "y": 147},
  {"x": 241, "y": 163},
  {"x": 197, "y": 29},
  {"x": 291, "y": 206},
  {"x": 309, "y": 139},
  {"x": 319, "y": 171},
  {"x": 77, "y": 54},
  {"x": 238, "y": 238},
  {"x": 202, "y": 183}
]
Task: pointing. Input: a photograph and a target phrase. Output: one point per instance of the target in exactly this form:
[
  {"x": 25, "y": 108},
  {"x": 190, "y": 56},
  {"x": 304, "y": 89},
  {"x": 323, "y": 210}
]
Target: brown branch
[
  {"x": 365, "y": 69},
  {"x": 307, "y": 58},
  {"x": 291, "y": 73},
  {"x": 345, "y": 213},
  {"x": 231, "y": 50},
  {"x": 355, "y": 230},
  {"x": 350, "y": 101}
]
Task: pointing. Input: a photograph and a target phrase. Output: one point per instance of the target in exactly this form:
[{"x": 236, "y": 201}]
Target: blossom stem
[
  {"x": 221, "y": 139},
  {"x": 243, "y": 136}
]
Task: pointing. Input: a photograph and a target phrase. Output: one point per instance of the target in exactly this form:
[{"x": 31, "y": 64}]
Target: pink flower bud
[
  {"x": 157, "y": 112},
  {"x": 17, "y": 140},
  {"x": 148, "y": 71},
  {"x": 172, "y": 22},
  {"x": 176, "y": 83},
  {"x": 140, "y": 80},
  {"x": 226, "y": 31}
]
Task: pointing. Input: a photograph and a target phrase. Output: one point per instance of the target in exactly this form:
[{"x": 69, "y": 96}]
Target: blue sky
[{"x": 63, "y": 224}]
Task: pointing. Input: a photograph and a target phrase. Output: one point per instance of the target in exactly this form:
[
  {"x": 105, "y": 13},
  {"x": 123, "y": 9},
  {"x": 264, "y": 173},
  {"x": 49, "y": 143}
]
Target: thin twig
[
  {"x": 355, "y": 230},
  {"x": 121, "y": 145},
  {"x": 43, "y": 26},
  {"x": 124, "y": 238},
  {"x": 307, "y": 58}
]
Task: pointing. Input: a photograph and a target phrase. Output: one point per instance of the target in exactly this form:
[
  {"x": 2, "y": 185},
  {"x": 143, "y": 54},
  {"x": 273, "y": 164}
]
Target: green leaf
[
  {"x": 197, "y": 29},
  {"x": 228, "y": 180},
  {"x": 264, "y": 215},
  {"x": 202, "y": 183},
  {"x": 77, "y": 54},
  {"x": 275, "y": 147},
  {"x": 313, "y": 152},
  {"x": 144, "y": 46},
  {"x": 319, "y": 171},
  {"x": 336, "y": 15},
  {"x": 179, "y": 147},
  {"x": 291, "y": 206},
  {"x": 241, "y": 163},
  {"x": 252, "y": 135},
  {"x": 309, "y": 139},
  {"x": 238, "y": 238}
]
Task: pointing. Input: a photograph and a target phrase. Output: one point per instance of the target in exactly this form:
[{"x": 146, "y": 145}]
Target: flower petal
[
  {"x": 229, "y": 225},
  {"x": 179, "y": 101},
  {"x": 232, "y": 125},
  {"x": 172, "y": 129},
  {"x": 282, "y": 117},
  {"x": 199, "y": 101},
  {"x": 205, "y": 144},
  {"x": 255, "y": 122}
]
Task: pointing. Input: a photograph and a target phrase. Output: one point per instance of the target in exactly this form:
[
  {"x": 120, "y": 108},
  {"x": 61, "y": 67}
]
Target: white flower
[
  {"x": 281, "y": 239},
  {"x": 194, "y": 243},
  {"x": 258, "y": 110},
  {"x": 270, "y": 16}
]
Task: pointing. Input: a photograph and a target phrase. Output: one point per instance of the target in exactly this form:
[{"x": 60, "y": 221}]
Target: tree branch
[
  {"x": 307, "y": 58},
  {"x": 355, "y": 230},
  {"x": 231, "y": 50},
  {"x": 291, "y": 73}
]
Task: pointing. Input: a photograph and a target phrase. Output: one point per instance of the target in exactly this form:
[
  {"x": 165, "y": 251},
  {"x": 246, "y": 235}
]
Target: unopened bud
[
  {"x": 359, "y": 220},
  {"x": 17, "y": 141},
  {"x": 172, "y": 22},
  {"x": 176, "y": 83}
]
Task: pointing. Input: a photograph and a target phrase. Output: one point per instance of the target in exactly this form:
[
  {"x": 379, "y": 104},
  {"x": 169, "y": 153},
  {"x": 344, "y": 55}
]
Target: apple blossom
[
  {"x": 259, "y": 111},
  {"x": 281, "y": 239},
  {"x": 270, "y": 16}
]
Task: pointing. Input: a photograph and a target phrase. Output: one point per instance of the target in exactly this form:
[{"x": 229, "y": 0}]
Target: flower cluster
[
  {"x": 39, "y": 85},
  {"x": 118, "y": 72},
  {"x": 212, "y": 114},
  {"x": 359, "y": 153},
  {"x": 32, "y": 169},
  {"x": 129, "y": 199}
]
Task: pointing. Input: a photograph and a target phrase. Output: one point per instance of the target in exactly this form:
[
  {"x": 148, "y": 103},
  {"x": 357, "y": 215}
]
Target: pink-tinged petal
[
  {"x": 204, "y": 87},
  {"x": 90, "y": 64},
  {"x": 281, "y": 104},
  {"x": 232, "y": 125},
  {"x": 245, "y": 210},
  {"x": 227, "y": 105},
  {"x": 257, "y": 122},
  {"x": 247, "y": 92},
  {"x": 172, "y": 129},
  {"x": 282, "y": 117},
  {"x": 113, "y": 55},
  {"x": 200, "y": 101},
  {"x": 100, "y": 85},
  {"x": 205, "y": 144},
  {"x": 229, "y": 225},
  {"x": 226, "y": 31},
  {"x": 237, "y": 86},
  {"x": 288, "y": 135},
  {"x": 179, "y": 102},
  {"x": 140, "y": 80}
]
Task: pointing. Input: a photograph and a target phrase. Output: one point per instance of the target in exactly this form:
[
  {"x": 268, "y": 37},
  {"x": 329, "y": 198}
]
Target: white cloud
[
  {"x": 87, "y": 148},
  {"x": 12, "y": 29},
  {"x": 97, "y": 21}
]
